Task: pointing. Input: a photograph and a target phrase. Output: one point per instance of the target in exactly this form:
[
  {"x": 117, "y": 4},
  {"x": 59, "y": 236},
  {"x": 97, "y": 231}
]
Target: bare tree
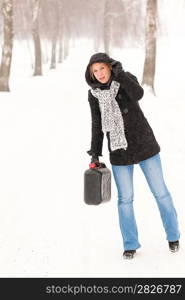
[
  {"x": 55, "y": 32},
  {"x": 60, "y": 24},
  {"x": 107, "y": 26},
  {"x": 150, "y": 45},
  {"x": 36, "y": 38},
  {"x": 60, "y": 33},
  {"x": 118, "y": 17},
  {"x": 7, "y": 10}
]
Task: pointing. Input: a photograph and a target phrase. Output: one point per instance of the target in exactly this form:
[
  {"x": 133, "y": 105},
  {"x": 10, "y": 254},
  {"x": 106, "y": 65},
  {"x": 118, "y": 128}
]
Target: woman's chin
[{"x": 103, "y": 81}]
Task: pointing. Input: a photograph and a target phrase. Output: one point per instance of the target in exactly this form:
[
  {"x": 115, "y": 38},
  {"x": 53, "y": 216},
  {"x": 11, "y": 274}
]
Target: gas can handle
[{"x": 97, "y": 165}]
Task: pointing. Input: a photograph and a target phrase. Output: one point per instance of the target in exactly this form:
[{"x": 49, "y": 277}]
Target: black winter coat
[{"x": 142, "y": 143}]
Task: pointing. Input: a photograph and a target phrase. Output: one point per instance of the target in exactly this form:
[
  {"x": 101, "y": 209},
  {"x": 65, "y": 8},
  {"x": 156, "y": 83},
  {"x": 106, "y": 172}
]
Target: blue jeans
[{"x": 152, "y": 170}]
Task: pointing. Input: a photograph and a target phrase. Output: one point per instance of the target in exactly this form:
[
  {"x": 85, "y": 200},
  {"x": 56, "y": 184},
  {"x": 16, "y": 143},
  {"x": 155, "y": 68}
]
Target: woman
[{"x": 115, "y": 111}]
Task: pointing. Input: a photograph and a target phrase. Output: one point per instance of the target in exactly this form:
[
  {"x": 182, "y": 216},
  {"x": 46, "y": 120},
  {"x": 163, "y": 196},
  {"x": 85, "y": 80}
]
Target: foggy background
[
  {"x": 46, "y": 32},
  {"x": 46, "y": 229}
]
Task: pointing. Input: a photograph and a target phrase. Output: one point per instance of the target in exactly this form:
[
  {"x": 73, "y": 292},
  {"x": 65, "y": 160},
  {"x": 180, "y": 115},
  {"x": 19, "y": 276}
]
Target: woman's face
[{"x": 101, "y": 71}]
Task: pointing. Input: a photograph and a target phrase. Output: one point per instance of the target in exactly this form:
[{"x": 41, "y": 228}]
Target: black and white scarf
[{"x": 112, "y": 120}]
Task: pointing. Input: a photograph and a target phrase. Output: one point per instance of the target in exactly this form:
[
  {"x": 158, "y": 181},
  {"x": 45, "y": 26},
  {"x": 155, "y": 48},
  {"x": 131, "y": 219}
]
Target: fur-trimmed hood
[{"x": 101, "y": 57}]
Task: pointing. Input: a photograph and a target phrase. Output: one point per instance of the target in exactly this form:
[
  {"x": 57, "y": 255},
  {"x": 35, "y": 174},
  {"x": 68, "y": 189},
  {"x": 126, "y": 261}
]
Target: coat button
[
  {"x": 119, "y": 96},
  {"x": 125, "y": 110}
]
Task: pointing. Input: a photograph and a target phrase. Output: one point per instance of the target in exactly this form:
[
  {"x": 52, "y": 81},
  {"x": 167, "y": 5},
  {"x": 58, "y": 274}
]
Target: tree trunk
[
  {"x": 55, "y": 32},
  {"x": 7, "y": 47},
  {"x": 36, "y": 39},
  {"x": 53, "y": 54},
  {"x": 65, "y": 45},
  {"x": 60, "y": 33},
  {"x": 60, "y": 55},
  {"x": 107, "y": 26},
  {"x": 150, "y": 45}
]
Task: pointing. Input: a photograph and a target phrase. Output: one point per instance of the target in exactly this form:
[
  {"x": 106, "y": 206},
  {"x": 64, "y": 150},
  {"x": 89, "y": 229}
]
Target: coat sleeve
[
  {"x": 131, "y": 85},
  {"x": 96, "y": 127}
]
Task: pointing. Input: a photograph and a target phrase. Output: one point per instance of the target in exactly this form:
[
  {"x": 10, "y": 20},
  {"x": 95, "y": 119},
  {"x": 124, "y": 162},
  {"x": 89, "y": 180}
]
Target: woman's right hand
[{"x": 95, "y": 160}]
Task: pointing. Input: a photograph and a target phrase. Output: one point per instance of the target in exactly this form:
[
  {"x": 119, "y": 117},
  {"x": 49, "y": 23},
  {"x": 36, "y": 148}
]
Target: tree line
[{"x": 108, "y": 23}]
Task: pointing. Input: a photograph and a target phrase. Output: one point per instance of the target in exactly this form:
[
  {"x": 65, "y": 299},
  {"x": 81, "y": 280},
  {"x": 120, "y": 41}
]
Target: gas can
[{"x": 97, "y": 184}]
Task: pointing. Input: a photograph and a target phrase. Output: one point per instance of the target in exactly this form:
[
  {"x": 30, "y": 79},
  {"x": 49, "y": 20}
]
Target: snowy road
[{"x": 46, "y": 230}]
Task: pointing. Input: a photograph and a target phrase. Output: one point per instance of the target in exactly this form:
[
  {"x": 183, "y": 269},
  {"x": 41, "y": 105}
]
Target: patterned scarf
[{"x": 112, "y": 120}]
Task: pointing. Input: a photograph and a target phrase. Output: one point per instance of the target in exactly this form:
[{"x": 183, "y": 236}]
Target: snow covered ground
[{"x": 46, "y": 229}]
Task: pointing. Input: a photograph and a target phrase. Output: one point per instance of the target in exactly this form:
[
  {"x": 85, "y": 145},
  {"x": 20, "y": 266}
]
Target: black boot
[
  {"x": 129, "y": 254},
  {"x": 174, "y": 246}
]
